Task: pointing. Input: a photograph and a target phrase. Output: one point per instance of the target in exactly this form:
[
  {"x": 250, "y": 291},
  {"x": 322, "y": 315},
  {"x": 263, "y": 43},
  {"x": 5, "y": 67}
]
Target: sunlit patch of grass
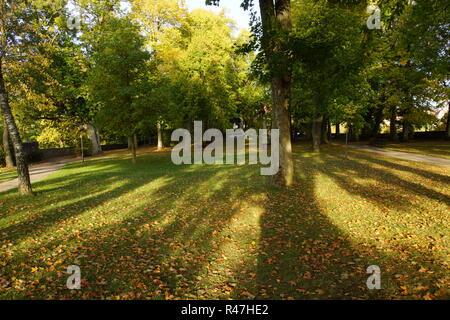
[
  {"x": 160, "y": 231},
  {"x": 7, "y": 174}
]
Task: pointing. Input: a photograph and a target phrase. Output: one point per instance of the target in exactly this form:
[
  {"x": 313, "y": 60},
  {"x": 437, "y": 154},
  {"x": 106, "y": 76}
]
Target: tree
[
  {"x": 14, "y": 37},
  {"x": 276, "y": 25},
  {"x": 327, "y": 77},
  {"x": 9, "y": 156},
  {"x": 118, "y": 79}
]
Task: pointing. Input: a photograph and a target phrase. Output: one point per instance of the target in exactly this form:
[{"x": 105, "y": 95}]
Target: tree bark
[
  {"x": 316, "y": 131},
  {"x": 324, "y": 134},
  {"x": 276, "y": 20},
  {"x": 9, "y": 157},
  {"x": 406, "y": 131},
  {"x": 21, "y": 161},
  {"x": 135, "y": 139},
  {"x": 281, "y": 99},
  {"x": 95, "y": 140},
  {"x": 447, "y": 135},
  {"x": 132, "y": 140},
  {"x": 160, "y": 140},
  {"x": 329, "y": 130}
]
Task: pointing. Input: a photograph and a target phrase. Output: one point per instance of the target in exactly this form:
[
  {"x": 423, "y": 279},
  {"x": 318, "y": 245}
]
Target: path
[
  {"x": 39, "y": 172},
  {"x": 403, "y": 155},
  {"x": 42, "y": 170}
]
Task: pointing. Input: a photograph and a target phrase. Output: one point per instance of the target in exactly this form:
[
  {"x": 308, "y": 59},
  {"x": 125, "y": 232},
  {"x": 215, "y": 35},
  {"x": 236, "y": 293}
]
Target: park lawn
[
  {"x": 7, "y": 174},
  {"x": 160, "y": 231},
  {"x": 439, "y": 148}
]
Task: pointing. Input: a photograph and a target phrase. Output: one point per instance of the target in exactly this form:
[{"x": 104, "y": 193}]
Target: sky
[{"x": 232, "y": 9}]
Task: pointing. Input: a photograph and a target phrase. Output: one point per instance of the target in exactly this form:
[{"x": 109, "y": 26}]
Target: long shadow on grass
[
  {"x": 397, "y": 166},
  {"x": 305, "y": 255},
  {"x": 186, "y": 238},
  {"x": 378, "y": 185},
  {"x": 61, "y": 198},
  {"x": 176, "y": 228}
]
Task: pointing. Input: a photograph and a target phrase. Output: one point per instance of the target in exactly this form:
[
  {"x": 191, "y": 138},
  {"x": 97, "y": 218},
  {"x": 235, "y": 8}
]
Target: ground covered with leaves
[{"x": 160, "y": 231}]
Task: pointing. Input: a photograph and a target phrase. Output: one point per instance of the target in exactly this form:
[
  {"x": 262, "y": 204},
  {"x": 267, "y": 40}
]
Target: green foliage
[
  {"x": 202, "y": 76},
  {"x": 117, "y": 81}
]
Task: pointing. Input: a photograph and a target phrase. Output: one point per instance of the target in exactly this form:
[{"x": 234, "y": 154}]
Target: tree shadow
[
  {"x": 304, "y": 255},
  {"x": 197, "y": 232}
]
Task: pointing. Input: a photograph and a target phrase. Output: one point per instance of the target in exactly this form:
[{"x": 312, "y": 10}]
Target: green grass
[
  {"x": 7, "y": 174},
  {"x": 438, "y": 148},
  {"x": 160, "y": 231}
]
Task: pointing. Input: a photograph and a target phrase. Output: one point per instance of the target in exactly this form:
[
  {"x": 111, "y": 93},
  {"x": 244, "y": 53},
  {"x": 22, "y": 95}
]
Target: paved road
[
  {"x": 39, "y": 172},
  {"x": 42, "y": 170},
  {"x": 403, "y": 155}
]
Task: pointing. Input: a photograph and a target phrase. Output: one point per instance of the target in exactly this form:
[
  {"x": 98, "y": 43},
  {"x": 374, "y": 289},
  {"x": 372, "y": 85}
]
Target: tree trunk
[
  {"x": 9, "y": 157},
  {"x": 21, "y": 161},
  {"x": 281, "y": 101},
  {"x": 447, "y": 134},
  {"x": 406, "y": 131},
  {"x": 329, "y": 130},
  {"x": 160, "y": 140},
  {"x": 93, "y": 136},
  {"x": 324, "y": 134},
  {"x": 131, "y": 140},
  {"x": 316, "y": 131},
  {"x": 392, "y": 125},
  {"x": 276, "y": 21},
  {"x": 338, "y": 128},
  {"x": 135, "y": 139}
]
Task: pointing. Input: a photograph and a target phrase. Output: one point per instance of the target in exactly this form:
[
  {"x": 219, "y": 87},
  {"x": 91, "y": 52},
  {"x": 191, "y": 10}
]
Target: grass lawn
[
  {"x": 160, "y": 231},
  {"x": 439, "y": 148},
  {"x": 7, "y": 174}
]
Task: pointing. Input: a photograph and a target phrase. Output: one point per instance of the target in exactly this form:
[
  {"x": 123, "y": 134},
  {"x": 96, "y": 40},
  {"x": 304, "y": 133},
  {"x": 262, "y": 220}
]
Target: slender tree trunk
[
  {"x": 324, "y": 134},
  {"x": 160, "y": 140},
  {"x": 316, "y": 131},
  {"x": 447, "y": 134},
  {"x": 329, "y": 129},
  {"x": 392, "y": 125},
  {"x": 93, "y": 136},
  {"x": 338, "y": 128},
  {"x": 276, "y": 23},
  {"x": 135, "y": 139},
  {"x": 131, "y": 141},
  {"x": 9, "y": 157},
  {"x": 21, "y": 161}
]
